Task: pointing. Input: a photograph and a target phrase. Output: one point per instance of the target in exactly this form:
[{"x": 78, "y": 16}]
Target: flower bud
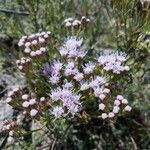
[
  {"x": 120, "y": 97},
  {"x": 117, "y": 102},
  {"x": 42, "y": 99},
  {"x": 104, "y": 116},
  {"x": 116, "y": 109},
  {"x": 102, "y": 96},
  {"x": 106, "y": 90},
  {"x": 111, "y": 115},
  {"x": 33, "y": 112},
  {"x": 25, "y": 97},
  {"x": 32, "y": 101},
  {"x": 25, "y": 104},
  {"x": 124, "y": 101},
  {"x": 127, "y": 108},
  {"x": 101, "y": 106}
]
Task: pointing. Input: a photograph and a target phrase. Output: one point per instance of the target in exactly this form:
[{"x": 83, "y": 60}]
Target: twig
[
  {"x": 14, "y": 12},
  {"x": 133, "y": 142},
  {"x": 4, "y": 142}
]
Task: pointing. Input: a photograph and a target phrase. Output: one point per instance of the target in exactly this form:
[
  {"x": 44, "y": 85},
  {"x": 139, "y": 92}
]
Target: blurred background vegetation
[{"x": 122, "y": 25}]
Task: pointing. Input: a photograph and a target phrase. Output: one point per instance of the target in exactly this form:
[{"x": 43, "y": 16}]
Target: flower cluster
[
  {"x": 24, "y": 64},
  {"x": 69, "y": 100},
  {"x": 28, "y": 103},
  {"x": 12, "y": 128},
  {"x": 35, "y": 48},
  {"x": 120, "y": 105},
  {"x": 71, "y": 48},
  {"x": 82, "y": 77},
  {"x": 113, "y": 62},
  {"x": 73, "y": 24},
  {"x": 34, "y": 42},
  {"x": 73, "y": 79}
]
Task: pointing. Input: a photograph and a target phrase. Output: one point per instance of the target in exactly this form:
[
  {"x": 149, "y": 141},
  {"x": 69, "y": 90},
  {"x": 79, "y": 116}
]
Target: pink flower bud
[
  {"x": 33, "y": 112},
  {"x": 111, "y": 115},
  {"x": 127, "y": 108},
  {"x": 106, "y": 90},
  {"x": 116, "y": 109},
  {"x": 126, "y": 68},
  {"x": 101, "y": 106},
  {"x": 25, "y": 104},
  {"x": 102, "y": 96},
  {"x": 42, "y": 49},
  {"x": 34, "y": 42},
  {"x": 41, "y": 40},
  {"x": 11, "y": 133},
  {"x": 9, "y": 100},
  {"x": 33, "y": 54},
  {"x": 68, "y": 24},
  {"x": 20, "y": 67},
  {"x": 25, "y": 96},
  {"x": 42, "y": 99},
  {"x": 104, "y": 116},
  {"x": 120, "y": 97},
  {"x": 124, "y": 101},
  {"x": 27, "y": 50},
  {"x": 117, "y": 102},
  {"x": 46, "y": 36},
  {"x": 38, "y": 52},
  {"x": 27, "y": 44},
  {"x": 32, "y": 101}
]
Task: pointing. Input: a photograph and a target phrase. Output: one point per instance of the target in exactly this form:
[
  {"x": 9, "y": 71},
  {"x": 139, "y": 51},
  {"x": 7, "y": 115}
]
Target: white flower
[
  {"x": 101, "y": 106},
  {"x": 104, "y": 115}
]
